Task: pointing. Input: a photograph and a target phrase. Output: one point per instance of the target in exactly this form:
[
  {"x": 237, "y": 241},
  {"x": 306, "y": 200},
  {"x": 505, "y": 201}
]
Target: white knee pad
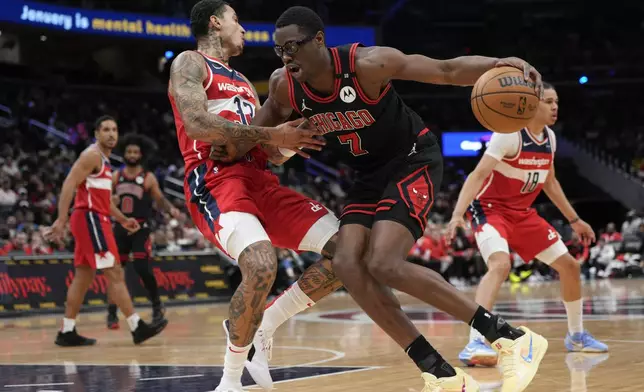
[
  {"x": 552, "y": 253},
  {"x": 238, "y": 231},
  {"x": 320, "y": 233},
  {"x": 490, "y": 241}
]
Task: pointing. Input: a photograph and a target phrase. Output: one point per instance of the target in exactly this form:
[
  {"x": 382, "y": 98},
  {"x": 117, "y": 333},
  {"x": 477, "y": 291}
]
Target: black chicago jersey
[
  {"x": 398, "y": 161},
  {"x": 134, "y": 202},
  {"x": 368, "y": 133}
]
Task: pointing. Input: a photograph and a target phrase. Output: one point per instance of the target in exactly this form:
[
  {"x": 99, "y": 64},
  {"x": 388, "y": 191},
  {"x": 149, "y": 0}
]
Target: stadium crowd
[{"x": 45, "y": 129}]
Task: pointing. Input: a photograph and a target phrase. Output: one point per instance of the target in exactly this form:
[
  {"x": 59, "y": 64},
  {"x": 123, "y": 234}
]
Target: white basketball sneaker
[{"x": 258, "y": 358}]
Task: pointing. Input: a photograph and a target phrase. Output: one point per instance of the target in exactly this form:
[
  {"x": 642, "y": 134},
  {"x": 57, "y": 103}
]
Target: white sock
[
  {"x": 68, "y": 325},
  {"x": 476, "y": 335},
  {"x": 575, "y": 316},
  {"x": 290, "y": 303},
  {"x": 133, "y": 321},
  {"x": 234, "y": 363}
]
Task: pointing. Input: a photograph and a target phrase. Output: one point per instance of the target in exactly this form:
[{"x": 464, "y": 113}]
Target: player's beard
[{"x": 132, "y": 163}]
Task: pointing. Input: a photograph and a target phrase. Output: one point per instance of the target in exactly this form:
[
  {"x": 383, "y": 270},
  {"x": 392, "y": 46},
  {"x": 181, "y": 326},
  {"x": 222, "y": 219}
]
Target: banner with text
[
  {"x": 145, "y": 26},
  {"x": 29, "y": 283}
]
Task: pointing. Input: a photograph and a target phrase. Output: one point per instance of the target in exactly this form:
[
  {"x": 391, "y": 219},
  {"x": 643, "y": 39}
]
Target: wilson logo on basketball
[{"x": 509, "y": 81}]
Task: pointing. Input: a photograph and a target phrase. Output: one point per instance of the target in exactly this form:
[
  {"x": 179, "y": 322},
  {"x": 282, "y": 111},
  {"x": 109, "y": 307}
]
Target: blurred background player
[
  {"x": 134, "y": 191},
  {"x": 240, "y": 207},
  {"x": 500, "y": 192},
  {"x": 95, "y": 246}
]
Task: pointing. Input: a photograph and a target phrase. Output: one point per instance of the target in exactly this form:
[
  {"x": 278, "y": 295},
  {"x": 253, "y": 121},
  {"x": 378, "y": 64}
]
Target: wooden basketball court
[{"x": 331, "y": 347}]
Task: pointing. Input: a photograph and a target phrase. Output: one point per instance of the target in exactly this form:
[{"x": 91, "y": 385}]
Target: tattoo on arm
[
  {"x": 186, "y": 86},
  {"x": 258, "y": 264}
]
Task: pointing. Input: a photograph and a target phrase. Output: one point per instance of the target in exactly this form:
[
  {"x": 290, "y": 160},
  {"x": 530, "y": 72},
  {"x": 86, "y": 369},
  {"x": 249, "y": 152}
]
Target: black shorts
[
  {"x": 402, "y": 191},
  {"x": 138, "y": 244}
]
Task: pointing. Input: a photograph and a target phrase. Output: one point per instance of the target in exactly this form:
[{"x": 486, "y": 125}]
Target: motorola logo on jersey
[
  {"x": 342, "y": 121},
  {"x": 347, "y": 94}
]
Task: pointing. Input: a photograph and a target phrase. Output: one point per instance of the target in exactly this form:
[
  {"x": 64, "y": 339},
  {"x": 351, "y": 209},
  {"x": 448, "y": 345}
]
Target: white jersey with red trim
[
  {"x": 229, "y": 96},
  {"x": 95, "y": 193},
  {"x": 524, "y": 165}
]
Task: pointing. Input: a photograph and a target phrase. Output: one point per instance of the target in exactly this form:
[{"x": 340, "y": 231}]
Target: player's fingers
[
  {"x": 302, "y": 154},
  {"x": 311, "y": 146},
  {"x": 314, "y": 141},
  {"x": 300, "y": 122},
  {"x": 526, "y": 71}
]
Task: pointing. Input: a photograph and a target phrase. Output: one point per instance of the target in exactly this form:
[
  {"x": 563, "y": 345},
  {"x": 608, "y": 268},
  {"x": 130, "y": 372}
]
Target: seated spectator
[
  {"x": 611, "y": 235},
  {"x": 577, "y": 249}
]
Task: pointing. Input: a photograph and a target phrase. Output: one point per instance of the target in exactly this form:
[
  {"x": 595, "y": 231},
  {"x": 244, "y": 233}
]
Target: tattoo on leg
[
  {"x": 258, "y": 264},
  {"x": 319, "y": 280}
]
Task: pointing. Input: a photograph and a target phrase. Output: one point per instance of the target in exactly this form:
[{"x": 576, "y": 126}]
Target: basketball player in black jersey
[
  {"x": 347, "y": 93},
  {"x": 134, "y": 191}
]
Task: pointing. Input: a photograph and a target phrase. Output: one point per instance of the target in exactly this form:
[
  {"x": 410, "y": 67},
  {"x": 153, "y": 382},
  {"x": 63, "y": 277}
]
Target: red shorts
[
  {"x": 215, "y": 201},
  {"x": 525, "y": 232},
  {"x": 95, "y": 245}
]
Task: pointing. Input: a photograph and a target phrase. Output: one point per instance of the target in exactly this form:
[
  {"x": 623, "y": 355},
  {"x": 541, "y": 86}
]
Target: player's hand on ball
[
  {"x": 529, "y": 72},
  {"x": 297, "y": 134},
  {"x": 452, "y": 227},
  {"x": 131, "y": 225},
  {"x": 584, "y": 231}
]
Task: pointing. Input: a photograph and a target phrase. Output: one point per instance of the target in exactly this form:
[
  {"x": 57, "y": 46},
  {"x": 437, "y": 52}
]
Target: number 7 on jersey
[{"x": 354, "y": 142}]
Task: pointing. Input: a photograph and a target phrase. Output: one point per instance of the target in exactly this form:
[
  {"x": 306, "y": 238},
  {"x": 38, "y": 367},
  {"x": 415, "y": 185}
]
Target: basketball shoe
[
  {"x": 520, "y": 359},
  {"x": 477, "y": 352},
  {"x": 585, "y": 343},
  {"x": 258, "y": 358},
  {"x": 461, "y": 382}
]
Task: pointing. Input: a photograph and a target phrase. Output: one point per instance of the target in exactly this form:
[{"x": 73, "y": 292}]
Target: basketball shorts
[
  {"x": 401, "y": 191},
  {"x": 238, "y": 206},
  {"x": 525, "y": 232},
  {"x": 95, "y": 245},
  {"x": 139, "y": 244}
]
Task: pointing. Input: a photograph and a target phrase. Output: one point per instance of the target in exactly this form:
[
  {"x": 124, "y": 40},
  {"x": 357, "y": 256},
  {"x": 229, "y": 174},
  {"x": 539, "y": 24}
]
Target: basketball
[{"x": 503, "y": 101}]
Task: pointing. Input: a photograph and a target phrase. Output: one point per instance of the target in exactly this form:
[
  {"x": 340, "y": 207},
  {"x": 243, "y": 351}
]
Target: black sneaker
[
  {"x": 112, "y": 321},
  {"x": 73, "y": 339},
  {"x": 145, "y": 331},
  {"x": 158, "y": 313}
]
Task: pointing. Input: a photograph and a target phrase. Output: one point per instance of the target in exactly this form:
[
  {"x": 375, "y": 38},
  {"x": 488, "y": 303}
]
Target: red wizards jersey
[
  {"x": 229, "y": 96},
  {"x": 95, "y": 192},
  {"x": 524, "y": 165}
]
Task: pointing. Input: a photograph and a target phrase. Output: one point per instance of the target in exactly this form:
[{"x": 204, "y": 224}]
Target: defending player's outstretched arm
[
  {"x": 382, "y": 64},
  {"x": 275, "y": 110},
  {"x": 187, "y": 74}
]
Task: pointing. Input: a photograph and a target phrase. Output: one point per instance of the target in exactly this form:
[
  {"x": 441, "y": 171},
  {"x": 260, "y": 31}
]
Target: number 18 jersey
[
  {"x": 230, "y": 96},
  {"x": 524, "y": 165}
]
